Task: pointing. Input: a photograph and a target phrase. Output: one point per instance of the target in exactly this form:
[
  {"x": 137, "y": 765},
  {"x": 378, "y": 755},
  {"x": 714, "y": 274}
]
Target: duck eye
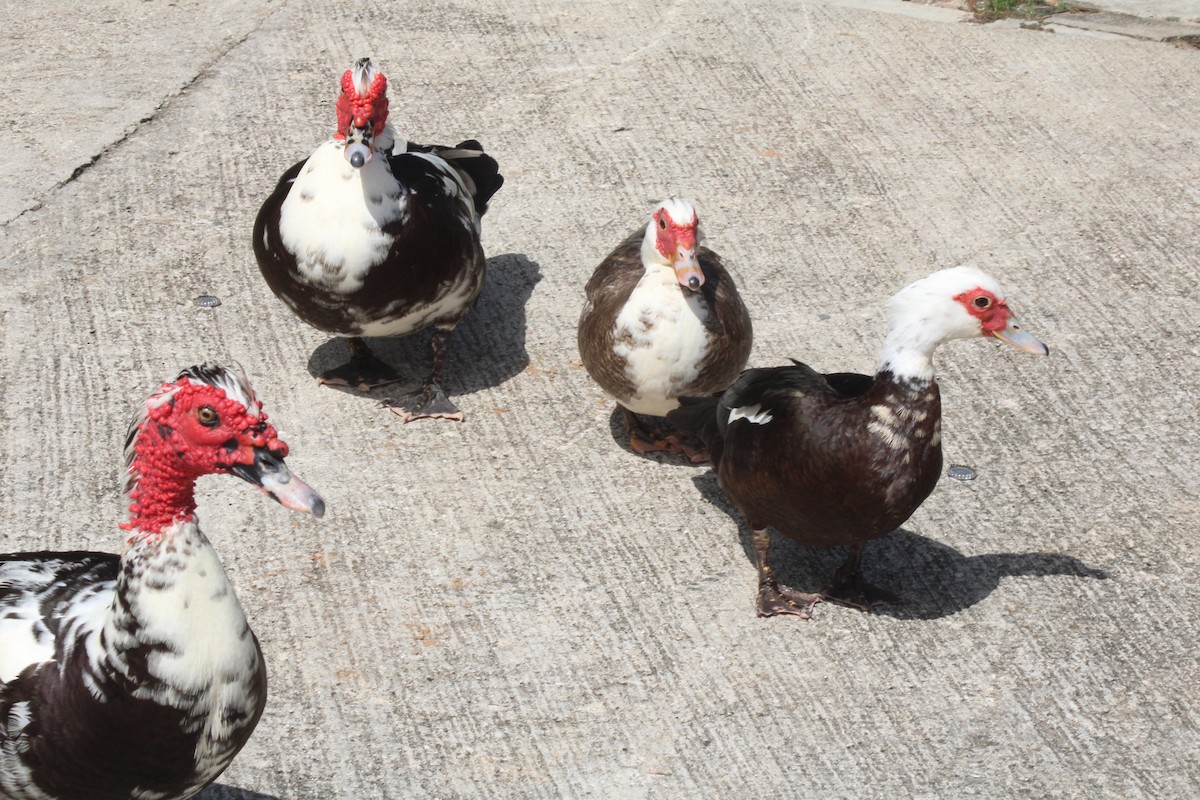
[
  {"x": 208, "y": 416},
  {"x": 662, "y": 223},
  {"x": 982, "y": 301}
]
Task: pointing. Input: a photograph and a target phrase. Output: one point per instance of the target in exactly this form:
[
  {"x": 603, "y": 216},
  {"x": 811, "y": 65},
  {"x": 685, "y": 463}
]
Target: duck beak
[
  {"x": 1026, "y": 343},
  {"x": 271, "y": 475},
  {"x": 686, "y": 262},
  {"x": 358, "y": 150}
]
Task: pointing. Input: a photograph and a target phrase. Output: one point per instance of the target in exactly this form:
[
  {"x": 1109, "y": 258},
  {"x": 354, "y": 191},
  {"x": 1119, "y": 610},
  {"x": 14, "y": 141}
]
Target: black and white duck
[
  {"x": 374, "y": 236},
  {"x": 842, "y": 459},
  {"x": 138, "y": 676},
  {"x": 663, "y": 319}
]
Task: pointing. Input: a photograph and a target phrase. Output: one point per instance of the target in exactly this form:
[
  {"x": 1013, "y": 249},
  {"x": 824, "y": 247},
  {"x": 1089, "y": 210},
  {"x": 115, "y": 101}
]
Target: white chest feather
[
  {"x": 24, "y": 638},
  {"x": 661, "y": 335},
  {"x": 333, "y": 217},
  {"x": 204, "y": 659}
]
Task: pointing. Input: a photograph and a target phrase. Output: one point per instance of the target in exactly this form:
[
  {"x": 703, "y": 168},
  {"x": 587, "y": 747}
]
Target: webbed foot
[
  {"x": 649, "y": 437},
  {"x": 856, "y": 593},
  {"x": 428, "y": 402},
  {"x": 847, "y": 588},
  {"x": 362, "y": 372},
  {"x": 774, "y": 599}
]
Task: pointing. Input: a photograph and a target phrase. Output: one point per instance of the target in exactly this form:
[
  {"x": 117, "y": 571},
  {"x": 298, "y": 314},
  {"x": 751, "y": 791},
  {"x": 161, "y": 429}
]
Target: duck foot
[
  {"x": 429, "y": 402},
  {"x": 363, "y": 371},
  {"x": 847, "y": 588},
  {"x": 774, "y": 599},
  {"x": 690, "y": 447},
  {"x": 646, "y": 438},
  {"x": 854, "y": 592}
]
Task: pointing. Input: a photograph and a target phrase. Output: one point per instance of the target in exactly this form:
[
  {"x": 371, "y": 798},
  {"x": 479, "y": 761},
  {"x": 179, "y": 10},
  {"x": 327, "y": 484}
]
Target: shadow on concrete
[
  {"x": 486, "y": 349},
  {"x": 934, "y": 579},
  {"x": 218, "y": 791}
]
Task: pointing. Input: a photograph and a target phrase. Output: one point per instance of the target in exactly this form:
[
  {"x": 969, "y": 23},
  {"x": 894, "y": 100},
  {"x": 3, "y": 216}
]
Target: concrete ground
[{"x": 517, "y": 606}]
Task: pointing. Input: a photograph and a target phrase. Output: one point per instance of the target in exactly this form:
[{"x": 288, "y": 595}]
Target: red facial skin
[
  {"x": 371, "y": 108},
  {"x": 993, "y": 314},
  {"x": 672, "y": 235},
  {"x": 174, "y": 447}
]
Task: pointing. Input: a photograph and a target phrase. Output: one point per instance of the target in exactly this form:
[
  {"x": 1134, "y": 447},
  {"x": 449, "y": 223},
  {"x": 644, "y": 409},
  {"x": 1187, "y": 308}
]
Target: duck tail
[{"x": 480, "y": 171}]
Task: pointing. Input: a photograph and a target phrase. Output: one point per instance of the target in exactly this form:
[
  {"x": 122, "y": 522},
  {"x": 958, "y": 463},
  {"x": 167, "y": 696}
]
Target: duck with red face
[
  {"x": 138, "y": 676},
  {"x": 663, "y": 319},
  {"x": 375, "y": 236},
  {"x": 842, "y": 458}
]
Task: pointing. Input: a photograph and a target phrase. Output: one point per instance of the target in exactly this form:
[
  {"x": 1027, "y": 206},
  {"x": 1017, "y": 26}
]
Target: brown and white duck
[
  {"x": 370, "y": 236},
  {"x": 138, "y": 676},
  {"x": 663, "y": 319},
  {"x": 843, "y": 459}
]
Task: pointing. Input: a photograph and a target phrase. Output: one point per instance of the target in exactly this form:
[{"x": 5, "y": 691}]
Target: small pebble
[
  {"x": 961, "y": 473},
  {"x": 208, "y": 301}
]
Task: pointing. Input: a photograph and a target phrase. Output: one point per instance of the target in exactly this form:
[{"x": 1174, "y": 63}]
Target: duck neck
[
  {"x": 161, "y": 491},
  {"x": 652, "y": 260},
  {"x": 175, "y": 636},
  {"x": 907, "y": 351},
  {"x": 173, "y": 594}
]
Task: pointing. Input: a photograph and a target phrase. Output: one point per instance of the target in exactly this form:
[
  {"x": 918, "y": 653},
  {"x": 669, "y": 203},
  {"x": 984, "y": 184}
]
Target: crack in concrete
[{"x": 111, "y": 147}]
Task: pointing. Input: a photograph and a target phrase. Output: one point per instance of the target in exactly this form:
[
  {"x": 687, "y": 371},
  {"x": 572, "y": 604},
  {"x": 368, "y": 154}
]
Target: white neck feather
[
  {"x": 907, "y": 351},
  {"x": 386, "y": 138},
  {"x": 651, "y": 258},
  {"x": 174, "y": 585},
  {"x": 924, "y": 314}
]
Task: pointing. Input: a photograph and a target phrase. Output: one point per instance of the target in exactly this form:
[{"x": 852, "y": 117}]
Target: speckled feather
[
  {"x": 127, "y": 677},
  {"x": 429, "y": 265}
]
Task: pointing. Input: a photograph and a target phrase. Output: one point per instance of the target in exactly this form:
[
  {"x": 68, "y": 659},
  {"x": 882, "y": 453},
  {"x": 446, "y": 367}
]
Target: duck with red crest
[
  {"x": 842, "y": 459},
  {"x": 370, "y": 236},
  {"x": 138, "y": 676},
  {"x": 662, "y": 319}
]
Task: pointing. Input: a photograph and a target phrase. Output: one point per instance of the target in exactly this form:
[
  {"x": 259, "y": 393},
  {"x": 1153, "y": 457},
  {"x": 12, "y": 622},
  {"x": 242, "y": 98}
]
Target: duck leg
[
  {"x": 772, "y": 598},
  {"x": 847, "y": 588},
  {"x": 363, "y": 371},
  {"x": 646, "y": 438},
  {"x": 429, "y": 402}
]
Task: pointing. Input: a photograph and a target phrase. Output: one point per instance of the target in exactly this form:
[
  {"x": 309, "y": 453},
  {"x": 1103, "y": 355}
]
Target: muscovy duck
[
  {"x": 662, "y": 319},
  {"x": 366, "y": 239},
  {"x": 138, "y": 676},
  {"x": 843, "y": 459}
]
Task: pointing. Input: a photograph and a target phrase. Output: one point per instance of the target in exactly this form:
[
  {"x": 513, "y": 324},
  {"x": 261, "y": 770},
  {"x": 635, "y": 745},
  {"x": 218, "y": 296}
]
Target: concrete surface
[
  {"x": 517, "y": 607},
  {"x": 1186, "y": 10},
  {"x": 1157, "y": 30}
]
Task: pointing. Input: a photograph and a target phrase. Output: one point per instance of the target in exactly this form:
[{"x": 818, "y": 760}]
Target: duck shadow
[
  {"x": 934, "y": 580},
  {"x": 486, "y": 349},
  {"x": 219, "y": 791}
]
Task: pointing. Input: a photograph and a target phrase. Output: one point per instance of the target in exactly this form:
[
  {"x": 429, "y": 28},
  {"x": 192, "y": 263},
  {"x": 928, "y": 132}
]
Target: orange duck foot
[
  {"x": 689, "y": 446},
  {"x": 645, "y": 438},
  {"x": 774, "y": 600}
]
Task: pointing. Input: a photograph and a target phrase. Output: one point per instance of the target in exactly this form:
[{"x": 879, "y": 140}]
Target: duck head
[
  {"x": 673, "y": 239},
  {"x": 207, "y": 421},
  {"x": 362, "y": 112},
  {"x": 956, "y": 303}
]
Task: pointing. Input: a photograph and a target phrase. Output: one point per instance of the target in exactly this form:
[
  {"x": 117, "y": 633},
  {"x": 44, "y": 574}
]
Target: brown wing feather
[
  {"x": 607, "y": 292},
  {"x": 728, "y": 324},
  {"x": 817, "y": 475}
]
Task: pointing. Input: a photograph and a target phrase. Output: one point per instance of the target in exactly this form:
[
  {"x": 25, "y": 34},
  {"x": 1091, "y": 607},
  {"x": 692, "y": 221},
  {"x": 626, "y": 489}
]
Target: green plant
[{"x": 988, "y": 10}]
